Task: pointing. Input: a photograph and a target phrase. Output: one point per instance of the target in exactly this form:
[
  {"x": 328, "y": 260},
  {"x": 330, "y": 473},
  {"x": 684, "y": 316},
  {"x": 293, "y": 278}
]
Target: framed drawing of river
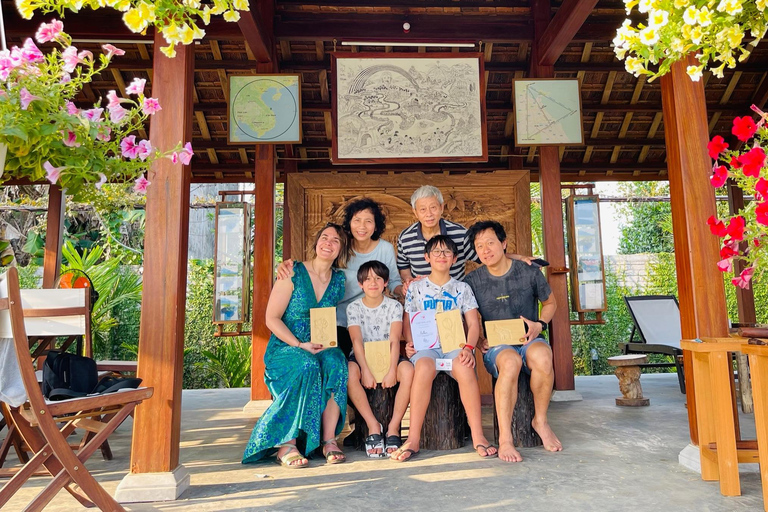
[
  {"x": 425, "y": 107},
  {"x": 547, "y": 112},
  {"x": 264, "y": 109}
]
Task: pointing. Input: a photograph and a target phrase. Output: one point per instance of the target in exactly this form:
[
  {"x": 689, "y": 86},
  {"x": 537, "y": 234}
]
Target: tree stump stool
[
  {"x": 445, "y": 424},
  {"x": 628, "y": 373},
  {"x": 522, "y": 430},
  {"x": 382, "y": 404}
]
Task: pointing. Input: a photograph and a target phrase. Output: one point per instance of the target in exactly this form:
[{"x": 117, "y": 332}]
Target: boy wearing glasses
[{"x": 441, "y": 292}]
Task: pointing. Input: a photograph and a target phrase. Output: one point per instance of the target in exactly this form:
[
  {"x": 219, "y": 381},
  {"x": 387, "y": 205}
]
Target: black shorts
[{"x": 345, "y": 342}]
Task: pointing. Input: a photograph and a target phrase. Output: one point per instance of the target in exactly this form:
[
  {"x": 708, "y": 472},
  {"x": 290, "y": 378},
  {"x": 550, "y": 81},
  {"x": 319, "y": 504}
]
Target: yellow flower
[
  {"x": 704, "y": 17},
  {"x": 734, "y": 36},
  {"x": 629, "y": 4},
  {"x": 761, "y": 5},
  {"x": 620, "y": 52},
  {"x": 187, "y": 34},
  {"x": 120, "y": 5},
  {"x": 198, "y": 33},
  {"x": 696, "y": 35},
  {"x": 633, "y": 65},
  {"x": 25, "y": 8},
  {"x": 206, "y": 15},
  {"x": 133, "y": 20},
  {"x": 219, "y": 6},
  {"x": 242, "y": 5},
  {"x": 679, "y": 4},
  {"x": 649, "y": 36},
  {"x": 231, "y": 16},
  {"x": 658, "y": 19},
  {"x": 677, "y": 45},
  {"x": 195, "y": 4},
  {"x": 169, "y": 51},
  {"x": 171, "y": 33},
  {"x": 686, "y": 32},
  {"x": 695, "y": 72},
  {"x": 744, "y": 55},
  {"x": 647, "y": 5},
  {"x": 690, "y": 16},
  {"x": 718, "y": 71},
  {"x": 732, "y": 7}
]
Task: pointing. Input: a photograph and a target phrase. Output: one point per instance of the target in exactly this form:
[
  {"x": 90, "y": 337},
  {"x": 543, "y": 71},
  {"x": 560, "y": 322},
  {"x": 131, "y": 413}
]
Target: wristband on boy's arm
[{"x": 470, "y": 347}]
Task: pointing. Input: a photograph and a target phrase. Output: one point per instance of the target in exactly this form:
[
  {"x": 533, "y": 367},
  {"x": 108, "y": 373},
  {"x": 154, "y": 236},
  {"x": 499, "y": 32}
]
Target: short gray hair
[{"x": 424, "y": 192}]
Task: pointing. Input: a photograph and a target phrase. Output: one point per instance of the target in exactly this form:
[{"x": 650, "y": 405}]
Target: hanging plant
[
  {"x": 177, "y": 20},
  {"x": 49, "y": 137},
  {"x": 712, "y": 30},
  {"x": 745, "y": 235}
]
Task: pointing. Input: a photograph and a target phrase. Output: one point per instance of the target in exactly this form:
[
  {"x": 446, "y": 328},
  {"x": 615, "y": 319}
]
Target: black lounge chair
[{"x": 657, "y": 322}]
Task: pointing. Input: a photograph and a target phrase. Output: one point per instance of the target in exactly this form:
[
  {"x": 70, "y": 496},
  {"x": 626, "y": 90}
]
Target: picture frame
[
  {"x": 547, "y": 112},
  {"x": 252, "y": 117},
  {"x": 585, "y": 248},
  {"x": 416, "y": 107}
]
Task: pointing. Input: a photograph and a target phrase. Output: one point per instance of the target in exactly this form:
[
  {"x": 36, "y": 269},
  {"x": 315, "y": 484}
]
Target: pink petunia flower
[
  {"x": 141, "y": 185},
  {"x": 93, "y": 114},
  {"x": 51, "y": 172},
  {"x": 114, "y": 99},
  {"x": 186, "y": 154},
  {"x": 104, "y": 133},
  {"x": 744, "y": 278},
  {"x": 150, "y": 106},
  {"x": 84, "y": 55},
  {"x": 174, "y": 157},
  {"x": 725, "y": 265},
  {"x": 70, "y": 139},
  {"x": 26, "y": 98},
  {"x": 65, "y": 77},
  {"x": 101, "y": 182},
  {"x": 129, "y": 148},
  {"x": 145, "y": 149},
  {"x": 117, "y": 114},
  {"x": 6, "y": 65},
  {"x": 72, "y": 109},
  {"x": 69, "y": 56},
  {"x": 49, "y": 31},
  {"x": 112, "y": 50},
  {"x": 136, "y": 87},
  {"x": 31, "y": 52}
]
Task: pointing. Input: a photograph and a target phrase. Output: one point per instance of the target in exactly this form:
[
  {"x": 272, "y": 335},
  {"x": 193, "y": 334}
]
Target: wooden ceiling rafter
[{"x": 562, "y": 29}]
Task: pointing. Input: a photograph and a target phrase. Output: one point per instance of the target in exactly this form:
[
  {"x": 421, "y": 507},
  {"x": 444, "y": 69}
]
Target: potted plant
[
  {"x": 48, "y": 136},
  {"x": 744, "y": 235},
  {"x": 716, "y": 32},
  {"x": 177, "y": 21}
]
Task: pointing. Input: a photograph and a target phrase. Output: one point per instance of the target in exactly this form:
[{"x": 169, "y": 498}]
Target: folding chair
[
  {"x": 657, "y": 321},
  {"x": 37, "y": 419}
]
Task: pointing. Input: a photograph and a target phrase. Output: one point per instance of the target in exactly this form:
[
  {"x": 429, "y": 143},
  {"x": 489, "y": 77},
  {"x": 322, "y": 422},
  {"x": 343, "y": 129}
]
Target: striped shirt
[{"x": 411, "y": 245}]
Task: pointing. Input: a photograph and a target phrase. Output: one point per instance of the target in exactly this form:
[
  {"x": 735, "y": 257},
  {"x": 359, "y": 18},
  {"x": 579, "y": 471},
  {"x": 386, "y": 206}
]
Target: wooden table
[{"x": 758, "y": 363}]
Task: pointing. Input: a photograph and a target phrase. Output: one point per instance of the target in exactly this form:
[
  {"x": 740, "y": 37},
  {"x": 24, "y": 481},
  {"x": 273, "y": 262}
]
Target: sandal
[
  {"x": 373, "y": 442},
  {"x": 291, "y": 456},
  {"x": 412, "y": 454},
  {"x": 487, "y": 448},
  {"x": 333, "y": 453},
  {"x": 393, "y": 442}
]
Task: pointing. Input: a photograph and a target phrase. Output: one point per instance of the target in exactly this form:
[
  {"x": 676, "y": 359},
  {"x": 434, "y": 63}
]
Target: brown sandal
[
  {"x": 333, "y": 453},
  {"x": 292, "y": 455}
]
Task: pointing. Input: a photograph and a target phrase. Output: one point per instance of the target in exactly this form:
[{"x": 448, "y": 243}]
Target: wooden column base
[{"x": 445, "y": 424}]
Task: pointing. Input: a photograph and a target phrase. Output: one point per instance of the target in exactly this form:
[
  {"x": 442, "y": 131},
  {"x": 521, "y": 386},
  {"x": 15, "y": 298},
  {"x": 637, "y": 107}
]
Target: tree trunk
[
  {"x": 522, "y": 431},
  {"x": 382, "y": 404},
  {"x": 445, "y": 422}
]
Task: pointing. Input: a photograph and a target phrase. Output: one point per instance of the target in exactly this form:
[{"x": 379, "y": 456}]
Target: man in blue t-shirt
[{"x": 507, "y": 289}]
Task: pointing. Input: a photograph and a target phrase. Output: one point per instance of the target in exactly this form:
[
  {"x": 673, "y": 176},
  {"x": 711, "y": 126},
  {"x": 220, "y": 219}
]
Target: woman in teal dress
[{"x": 308, "y": 383}]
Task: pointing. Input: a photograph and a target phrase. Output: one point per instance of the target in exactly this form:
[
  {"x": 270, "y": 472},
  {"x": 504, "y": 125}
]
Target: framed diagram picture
[
  {"x": 426, "y": 107},
  {"x": 547, "y": 112},
  {"x": 264, "y": 109}
]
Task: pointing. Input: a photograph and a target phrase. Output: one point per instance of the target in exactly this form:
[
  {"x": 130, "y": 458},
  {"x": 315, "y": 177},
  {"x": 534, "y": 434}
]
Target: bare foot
[
  {"x": 550, "y": 440},
  {"x": 508, "y": 453},
  {"x": 485, "y": 449}
]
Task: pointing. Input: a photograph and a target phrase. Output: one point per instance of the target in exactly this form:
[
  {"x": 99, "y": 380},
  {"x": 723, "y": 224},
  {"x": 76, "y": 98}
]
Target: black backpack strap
[
  {"x": 112, "y": 384},
  {"x": 64, "y": 394}
]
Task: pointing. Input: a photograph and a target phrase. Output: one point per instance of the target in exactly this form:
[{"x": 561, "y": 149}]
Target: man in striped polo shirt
[{"x": 427, "y": 203}]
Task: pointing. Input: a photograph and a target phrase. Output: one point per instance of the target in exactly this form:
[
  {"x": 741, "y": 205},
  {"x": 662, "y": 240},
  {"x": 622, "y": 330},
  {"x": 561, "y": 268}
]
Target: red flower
[
  {"x": 716, "y": 146},
  {"x": 725, "y": 265},
  {"x": 735, "y": 163},
  {"x": 762, "y": 188},
  {"x": 736, "y": 228},
  {"x": 717, "y": 227},
  {"x": 753, "y": 161},
  {"x": 719, "y": 176},
  {"x": 761, "y": 213},
  {"x": 744, "y": 127},
  {"x": 744, "y": 278},
  {"x": 728, "y": 252}
]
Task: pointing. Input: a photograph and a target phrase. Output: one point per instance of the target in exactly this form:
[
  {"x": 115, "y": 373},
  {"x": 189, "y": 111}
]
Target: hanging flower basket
[
  {"x": 49, "y": 137},
  {"x": 744, "y": 235}
]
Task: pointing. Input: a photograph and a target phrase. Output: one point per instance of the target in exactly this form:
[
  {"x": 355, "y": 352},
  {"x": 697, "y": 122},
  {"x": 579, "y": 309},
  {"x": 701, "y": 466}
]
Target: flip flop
[
  {"x": 400, "y": 451},
  {"x": 486, "y": 448}
]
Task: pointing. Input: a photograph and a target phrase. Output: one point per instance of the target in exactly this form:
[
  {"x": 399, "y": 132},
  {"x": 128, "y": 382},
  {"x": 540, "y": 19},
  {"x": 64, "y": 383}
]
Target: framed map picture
[
  {"x": 547, "y": 112},
  {"x": 426, "y": 107},
  {"x": 264, "y": 109}
]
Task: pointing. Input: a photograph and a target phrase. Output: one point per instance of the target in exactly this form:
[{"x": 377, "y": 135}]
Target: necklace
[{"x": 312, "y": 264}]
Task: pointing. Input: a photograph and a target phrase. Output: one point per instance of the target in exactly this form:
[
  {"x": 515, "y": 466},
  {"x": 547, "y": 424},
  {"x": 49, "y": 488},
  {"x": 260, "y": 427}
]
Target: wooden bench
[{"x": 523, "y": 433}]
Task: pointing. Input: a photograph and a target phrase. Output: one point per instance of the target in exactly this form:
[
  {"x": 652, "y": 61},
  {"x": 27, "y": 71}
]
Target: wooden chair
[
  {"x": 37, "y": 420},
  {"x": 657, "y": 321}
]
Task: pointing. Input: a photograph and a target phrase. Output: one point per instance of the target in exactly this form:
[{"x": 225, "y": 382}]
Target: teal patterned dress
[{"x": 301, "y": 383}]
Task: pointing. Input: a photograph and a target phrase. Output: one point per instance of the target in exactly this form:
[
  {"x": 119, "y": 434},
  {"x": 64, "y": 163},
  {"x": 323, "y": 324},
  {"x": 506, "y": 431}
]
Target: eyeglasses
[{"x": 443, "y": 252}]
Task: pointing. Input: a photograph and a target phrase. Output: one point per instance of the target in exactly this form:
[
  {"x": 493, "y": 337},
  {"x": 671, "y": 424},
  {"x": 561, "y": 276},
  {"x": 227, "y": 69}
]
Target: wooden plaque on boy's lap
[
  {"x": 451, "y": 328},
  {"x": 505, "y": 332},
  {"x": 322, "y": 322},
  {"x": 377, "y": 356}
]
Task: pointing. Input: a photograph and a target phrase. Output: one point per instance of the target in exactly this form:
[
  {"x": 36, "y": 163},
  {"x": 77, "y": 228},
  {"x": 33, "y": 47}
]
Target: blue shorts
[
  {"x": 434, "y": 354},
  {"x": 489, "y": 358}
]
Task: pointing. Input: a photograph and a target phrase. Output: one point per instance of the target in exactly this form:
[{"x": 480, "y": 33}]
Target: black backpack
[{"x": 70, "y": 376}]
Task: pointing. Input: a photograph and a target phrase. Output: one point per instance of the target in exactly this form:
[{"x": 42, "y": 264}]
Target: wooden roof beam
[
  {"x": 256, "y": 35},
  {"x": 562, "y": 29}
]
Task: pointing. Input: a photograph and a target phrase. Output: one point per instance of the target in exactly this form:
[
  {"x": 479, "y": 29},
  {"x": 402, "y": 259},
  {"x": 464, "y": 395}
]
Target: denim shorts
[{"x": 489, "y": 358}]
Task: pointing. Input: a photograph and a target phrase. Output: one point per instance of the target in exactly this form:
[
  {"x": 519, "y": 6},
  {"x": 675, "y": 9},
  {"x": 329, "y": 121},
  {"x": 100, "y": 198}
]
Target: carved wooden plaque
[
  {"x": 314, "y": 198},
  {"x": 322, "y": 325},
  {"x": 377, "y": 356}
]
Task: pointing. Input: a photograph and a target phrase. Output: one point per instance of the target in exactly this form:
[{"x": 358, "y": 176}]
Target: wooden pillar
[
  {"x": 157, "y": 424},
  {"x": 54, "y": 231},
  {"x": 552, "y": 223},
  {"x": 289, "y": 166},
  {"x": 700, "y": 284},
  {"x": 263, "y": 264}
]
